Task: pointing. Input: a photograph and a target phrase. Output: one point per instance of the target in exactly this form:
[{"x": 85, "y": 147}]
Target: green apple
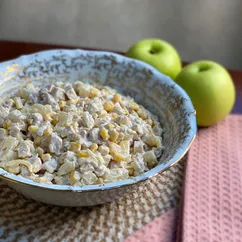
[
  {"x": 210, "y": 88},
  {"x": 158, "y": 53}
]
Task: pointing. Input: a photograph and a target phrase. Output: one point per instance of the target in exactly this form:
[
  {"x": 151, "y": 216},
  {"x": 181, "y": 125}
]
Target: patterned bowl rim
[{"x": 181, "y": 151}]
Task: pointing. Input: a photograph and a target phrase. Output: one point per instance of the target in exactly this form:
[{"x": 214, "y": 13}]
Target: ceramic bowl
[{"x": 157, "y": 92}]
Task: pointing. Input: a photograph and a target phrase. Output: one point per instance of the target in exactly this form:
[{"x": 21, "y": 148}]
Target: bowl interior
[{"x": 157, "y": 92}]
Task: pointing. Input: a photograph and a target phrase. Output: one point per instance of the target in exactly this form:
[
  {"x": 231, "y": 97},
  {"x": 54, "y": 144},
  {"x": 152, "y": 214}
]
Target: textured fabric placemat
[
  {"x": 26, "y": 220},
  {"x": 212, "y": 204},
  {"x": 161, "y": 229}
]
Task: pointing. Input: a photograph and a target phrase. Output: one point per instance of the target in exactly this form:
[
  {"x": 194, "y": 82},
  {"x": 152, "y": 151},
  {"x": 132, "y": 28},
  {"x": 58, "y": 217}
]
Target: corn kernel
[
  {"x": 104, "y": 134},
  {"x": 149, "y": 121},
  {"x": 142, "y": 114},
  {"x": 62, "y": 103},
  {"x": 105, "y": 91},
  {"x": 93, "y": 93},
  {"x": 46, "y": 157},
  {"x": 75, "y": 176},
  {"x": 37, "y": 140},
  {"x": 30, "y": 121},
  {"x": 33, "y": 128},
  {"x": 110, "y": 126},
  {"x": 94, "y": 147},
  {"x": 118, "y": 157},
  {"x": 113, "y": 135},
  {"x": 40, "y": 151},
  {"x": 83, "y": 92},
  {"x": 55, "y": 119},
  {"x": 72, "y": 101},
  {"x": 114, "y": 115},
  {"x": 134, "y": 106},
  {"x": 100, "y": 180},
  {"x": 82, "y": 154},
  {"x": 6, "y": 124},
  {"x": 48, "y": 131},
  {"x": 18, "y": 102},
  {"x": 75, "y": 147},
  {"x": 116, "y": 97},
  {"x": 108, "y": 106}
]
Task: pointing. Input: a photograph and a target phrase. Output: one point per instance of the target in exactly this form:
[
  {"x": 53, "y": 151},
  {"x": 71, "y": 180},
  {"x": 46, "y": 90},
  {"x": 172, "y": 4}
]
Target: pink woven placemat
[{"x": 212, "y": 205}]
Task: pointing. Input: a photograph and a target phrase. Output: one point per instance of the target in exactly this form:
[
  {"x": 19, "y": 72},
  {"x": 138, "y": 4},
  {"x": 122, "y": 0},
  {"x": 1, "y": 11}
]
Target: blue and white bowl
[{"x": 157, "y": 92}]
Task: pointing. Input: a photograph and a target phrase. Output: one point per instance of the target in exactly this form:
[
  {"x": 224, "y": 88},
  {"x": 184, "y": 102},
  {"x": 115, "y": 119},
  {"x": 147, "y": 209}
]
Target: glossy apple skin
[
  {"x": 158, "y": 53},
  {"x": 211, "y": 90}
]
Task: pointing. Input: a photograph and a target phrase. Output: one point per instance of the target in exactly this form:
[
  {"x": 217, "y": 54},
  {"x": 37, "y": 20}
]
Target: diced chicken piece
[
  {"x": 24, "y": 171},
  {"x": 88, "y": 120},
  {"x": 66, "y": 168},
  {"x": 57, "y": 92},
  {"x": 55, "y": 143},
  {"x": 50, "y": 165},
  {"x": 89, "y": 178},
  {"x": 48, "y": 176},
  {"x": 14, "y": 131},
  {"x": 138, "y": 164},
  {"x": 14, "y": 115},
  {"x": 104, "y": 150},
  {"x": 8, "y": 103},
  {"x": 138, "y": 128},
  {"x": 26, "y": 149},
  {"x": 84, "y": 166},
  {"x": 65, "y": 119},
  {"x": 48, "y": 99},
  {"x": 62, "y": 180},
  {"x": 36, "y": 163},
  {"x": 125, "y": 147},
  {"x": 124, "y": 120},
  {"x": 67, "y": 132},
  {"x": 152, "y": 140},
  {"x": 8, "y": 155},
  {"x": 23, "y": 93},
  {"x": 102, "y": 121},
  {"x": 118, "y": 109},
  {"x": 93, "y": 135},
  {"x": 116, "y": 174},
  {"x": 138, "y": 147},
  {"x": 150, "y": 158},
  {"x": 33, "y": 98},
  {"x": 107, "y": 159},
  {"x": 70, "y": 92},
  {"x": 36, "y": 118},
  {"x": 3, "y": 112},
  {"x": 157, "y": 129},
  {"x": 68, "y": 156},
  {"x": 9, "y": 143},
  {"x": 3, "y": 133},
  {"x": 100, "y": 170},
  {"x": 95, "y": 106},
  {"x": 44, "y": 110}
]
